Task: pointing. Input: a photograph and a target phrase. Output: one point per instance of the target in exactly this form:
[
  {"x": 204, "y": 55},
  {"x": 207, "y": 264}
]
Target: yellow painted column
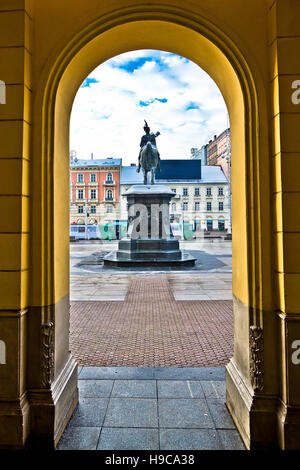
[
  {"x": 284, "y": 43},
  {"x": 15, "y": 127}
]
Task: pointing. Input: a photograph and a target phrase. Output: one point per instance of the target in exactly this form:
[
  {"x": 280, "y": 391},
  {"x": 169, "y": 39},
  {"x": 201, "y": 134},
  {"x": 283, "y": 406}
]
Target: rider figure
[{"x": 147, "y": 137}]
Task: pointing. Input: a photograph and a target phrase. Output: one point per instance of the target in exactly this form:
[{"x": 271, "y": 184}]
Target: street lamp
[{"x": 227, "y": 156}]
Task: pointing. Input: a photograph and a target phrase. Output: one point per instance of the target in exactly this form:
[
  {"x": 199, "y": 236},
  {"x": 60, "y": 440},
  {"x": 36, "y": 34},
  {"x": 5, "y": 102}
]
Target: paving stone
[
  {"x": 214, "y": 388},
  {"x": 90, "y": 412},
  {"x": 95, "y": 388},
  {"x": 179, "y": 389},
  {"x": 173, "y": 389},
  {"x": 196, "y": 389},
  {"x": 231, "y": 440},
  {"x": 128, "y": 439},
  {"x": 189, "y": 439},
  {"x": 184, "y": 413},
  {"x": 116, "y": 373},
  {"x": 79, "y": 438},
  {"x": 220, "y": 414},
  {"x": 134, "y": 389},
  {"x": 131, "y": 412},
  {"x": 190, "y": 373},
  {"x": 189, "y": 297}
]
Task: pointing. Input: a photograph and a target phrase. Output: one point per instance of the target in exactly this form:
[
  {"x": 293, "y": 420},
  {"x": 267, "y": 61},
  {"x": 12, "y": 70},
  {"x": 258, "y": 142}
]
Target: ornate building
[
  {"x": 218, "y": 147},
  {"x": 94, "y": 193},
  {"x": 200, "y": 193}
]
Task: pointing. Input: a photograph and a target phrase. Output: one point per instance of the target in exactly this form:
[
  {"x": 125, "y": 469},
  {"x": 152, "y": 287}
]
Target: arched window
[
  {"x": 221, "y": 225},
  {"x": 109, "y": 194},
  {"x": 209, "y": 225},
  {"x": 109, "y": 178}
]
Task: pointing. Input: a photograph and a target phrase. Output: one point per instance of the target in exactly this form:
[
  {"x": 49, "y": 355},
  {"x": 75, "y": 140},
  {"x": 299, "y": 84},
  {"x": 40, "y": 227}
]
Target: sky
[{"x": 174, "y": 95}]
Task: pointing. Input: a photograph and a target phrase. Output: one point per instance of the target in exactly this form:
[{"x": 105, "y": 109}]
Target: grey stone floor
[{"x": 128, "y": 408}]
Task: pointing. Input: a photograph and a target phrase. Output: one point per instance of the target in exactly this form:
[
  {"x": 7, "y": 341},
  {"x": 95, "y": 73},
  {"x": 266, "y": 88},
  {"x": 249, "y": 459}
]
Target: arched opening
[
  {"x": 208, "y": 47},
  {"x": 109, "y": 178}
]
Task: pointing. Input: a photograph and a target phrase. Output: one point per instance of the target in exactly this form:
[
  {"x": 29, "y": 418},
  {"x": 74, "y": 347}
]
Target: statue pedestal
[{"x": 150, "y": 241}]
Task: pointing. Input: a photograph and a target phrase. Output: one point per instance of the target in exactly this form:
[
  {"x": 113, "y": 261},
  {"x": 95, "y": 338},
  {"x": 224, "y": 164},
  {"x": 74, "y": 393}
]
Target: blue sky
[{"x": 173, "y": 94}]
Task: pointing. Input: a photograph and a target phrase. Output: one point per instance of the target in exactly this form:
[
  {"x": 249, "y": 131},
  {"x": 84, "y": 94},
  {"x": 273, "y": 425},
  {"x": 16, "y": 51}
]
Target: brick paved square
[{"x": 151, "y": 329}]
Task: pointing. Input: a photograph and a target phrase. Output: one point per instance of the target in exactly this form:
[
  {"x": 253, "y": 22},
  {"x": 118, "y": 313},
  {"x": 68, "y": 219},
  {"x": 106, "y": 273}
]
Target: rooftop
[
  {"x": 96, "y": 162},
  {"x": 209, "y": 174}
]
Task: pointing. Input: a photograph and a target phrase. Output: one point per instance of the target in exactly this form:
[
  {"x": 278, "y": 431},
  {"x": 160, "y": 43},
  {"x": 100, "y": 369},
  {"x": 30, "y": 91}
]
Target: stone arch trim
[
  {"x": 47, "y": 105},
  {"x": 177, "y": 16}
]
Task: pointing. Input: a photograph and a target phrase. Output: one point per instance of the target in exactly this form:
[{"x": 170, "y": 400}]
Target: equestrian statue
[{"x": 149, "y": 158}]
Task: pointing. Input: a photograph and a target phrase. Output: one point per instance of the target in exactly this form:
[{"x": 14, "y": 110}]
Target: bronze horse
[{"x": 149, "y": 161}]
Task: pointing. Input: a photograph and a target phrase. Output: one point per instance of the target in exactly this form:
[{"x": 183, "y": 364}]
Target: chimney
[{"x": 215, "y": 137}]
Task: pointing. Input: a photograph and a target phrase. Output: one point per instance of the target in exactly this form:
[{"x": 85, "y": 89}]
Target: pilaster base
[
  {"x": 14, "y": 423},
  {"x": 254, "y": 415},
  {"x": 289, "y": 427},
  {"x": 50, "y": 410}
]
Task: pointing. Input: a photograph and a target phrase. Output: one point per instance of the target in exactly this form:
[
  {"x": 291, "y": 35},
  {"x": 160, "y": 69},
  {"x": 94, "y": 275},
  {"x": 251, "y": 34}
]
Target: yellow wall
[{"x": 15, "y": 154}]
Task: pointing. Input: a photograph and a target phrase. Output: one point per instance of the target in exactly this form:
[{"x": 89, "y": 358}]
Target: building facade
[
  {"x": 200, "y": 154},
  {"x": 94, "y": 190},
  {"x": 200, "y": 193},
  {"x": 217, "y": 148}
]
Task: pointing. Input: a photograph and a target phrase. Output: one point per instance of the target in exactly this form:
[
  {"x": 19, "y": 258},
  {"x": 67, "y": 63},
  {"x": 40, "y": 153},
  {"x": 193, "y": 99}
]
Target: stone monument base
[
  {"x": 148, "y": 213},
  {"x": 146, "y": 253}
]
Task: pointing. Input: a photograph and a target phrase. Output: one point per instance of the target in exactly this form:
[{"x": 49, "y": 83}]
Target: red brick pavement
[{"x": 151, "y": 329}]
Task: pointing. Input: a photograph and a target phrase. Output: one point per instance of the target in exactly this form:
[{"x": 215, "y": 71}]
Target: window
[
  {"x": 109, "y": 209},
  {"x": 221, "y": 192},
  {"x": 93, "y": 178},
  {"x": 209, "y": 225},
  {"x": 197, "y": 206},
  {"x": 208, "y": 206},
  {"x": 174, "y": 190},
  {"x": 185, "y": 206},
  {"x": 221, "y": 225},
  {"x": 93, "y": 209},
  {"x": 109, "y": 195},
  {"x": 80, "y": 209},
  {"x": 185, "y": 192},
  {"x": 109, "y": 178},
  {"x": 221, "y": 206},
  {"x": 80, "y": 194},
  {"x": 80, "y": 178},
  {"x": 93, "y": 194},
  {"x": 173, "y": 207},
  {"x": 197, "y": 191},
  {"x": 208, "y": 191}
]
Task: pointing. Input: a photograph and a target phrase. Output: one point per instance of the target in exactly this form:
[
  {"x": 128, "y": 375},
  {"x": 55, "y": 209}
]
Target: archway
[{"x": 172, "y": 30}]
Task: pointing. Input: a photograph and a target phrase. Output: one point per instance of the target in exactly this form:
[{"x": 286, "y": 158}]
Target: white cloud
[{"x": 107, "y": 118}]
